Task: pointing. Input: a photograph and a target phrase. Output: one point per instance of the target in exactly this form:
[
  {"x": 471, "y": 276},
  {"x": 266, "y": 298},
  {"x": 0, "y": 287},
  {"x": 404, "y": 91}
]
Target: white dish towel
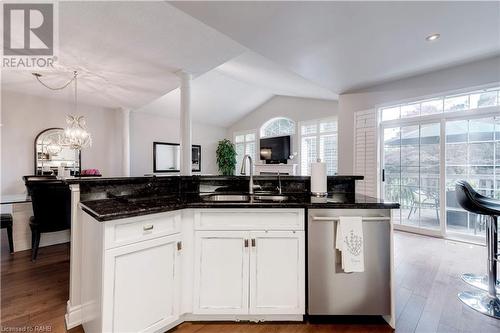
[{"x": 349, "y": 241}]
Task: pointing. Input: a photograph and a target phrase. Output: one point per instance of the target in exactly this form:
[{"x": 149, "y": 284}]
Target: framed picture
[{"x": 167, "y": 157}]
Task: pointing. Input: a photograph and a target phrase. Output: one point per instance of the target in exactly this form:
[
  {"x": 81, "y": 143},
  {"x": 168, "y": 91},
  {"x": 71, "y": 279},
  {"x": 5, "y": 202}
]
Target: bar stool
[{"x": 484, "y": 300}]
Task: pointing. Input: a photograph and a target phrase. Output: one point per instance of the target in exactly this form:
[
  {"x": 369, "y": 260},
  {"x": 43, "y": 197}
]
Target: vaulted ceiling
[
  {"x": 127, "y": 53},
  {"x": 351, "y": 44},
  {"x": 232, "y": 90},
  {"x": 243, "y": 53}
]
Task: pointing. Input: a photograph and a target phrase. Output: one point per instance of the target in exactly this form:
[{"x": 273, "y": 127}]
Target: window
[
  {"x": 472, "y": 153},
  {"x": 277, "y": 127},
  {"x": 318, "y": 140},
  {"x": 244, "y": 143},
  {"x": 411, "y": 165},
  {"x": 428, "y": 145},
  {"x": 452, "y": 103}
]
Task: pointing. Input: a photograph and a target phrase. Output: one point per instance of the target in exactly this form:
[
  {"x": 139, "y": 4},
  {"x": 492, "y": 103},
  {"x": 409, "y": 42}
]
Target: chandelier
[
  {"x": 76, "y": 135},
  {"x": 54, "y": 147}
]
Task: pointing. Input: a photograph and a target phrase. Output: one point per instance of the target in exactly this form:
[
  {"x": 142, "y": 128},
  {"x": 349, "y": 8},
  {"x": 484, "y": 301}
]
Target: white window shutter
[{"x": 365, "y": 151}]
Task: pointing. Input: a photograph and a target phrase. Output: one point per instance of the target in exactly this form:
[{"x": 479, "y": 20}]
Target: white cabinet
[
  {"x": 134, "y": 287},
  {"x": 221, "y": 272},
  {"x": 277, "y": 262},
  {"x": 249, "y": 272},
  {"x": 141, "y": 286},
  {"x": 233, "y": 264}
]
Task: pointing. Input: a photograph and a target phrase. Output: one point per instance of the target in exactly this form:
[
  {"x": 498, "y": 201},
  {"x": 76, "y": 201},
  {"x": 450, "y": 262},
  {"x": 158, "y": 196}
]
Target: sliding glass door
[
  {"x": 412, "y": 156},
  {"x": 427, "y": 145},
  {"x": 411, "y": 160},
  {"x": 472, "y": 153}
]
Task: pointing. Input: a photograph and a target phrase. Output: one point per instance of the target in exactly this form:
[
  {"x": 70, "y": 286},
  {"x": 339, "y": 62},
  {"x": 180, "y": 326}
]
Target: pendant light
[{"x": 76, "y": 135}]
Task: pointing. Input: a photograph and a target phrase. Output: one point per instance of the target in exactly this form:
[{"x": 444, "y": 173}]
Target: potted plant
[{"x": 226, "y": 157}]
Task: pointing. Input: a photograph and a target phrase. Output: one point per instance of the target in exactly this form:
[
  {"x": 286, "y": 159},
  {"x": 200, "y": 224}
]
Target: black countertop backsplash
[
  {"x": 112, "y": 209},
  {"x": 112, "y": 198}
]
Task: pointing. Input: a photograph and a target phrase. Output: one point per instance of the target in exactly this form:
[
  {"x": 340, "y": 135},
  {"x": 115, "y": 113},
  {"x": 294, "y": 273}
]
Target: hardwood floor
[{"x": 34, "y": 295}]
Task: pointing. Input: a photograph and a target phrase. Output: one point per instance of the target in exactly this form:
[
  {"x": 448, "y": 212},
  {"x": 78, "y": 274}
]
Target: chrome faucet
[
  {"x": 279, "y": 183},
  {"x": 251, "y": 186}
]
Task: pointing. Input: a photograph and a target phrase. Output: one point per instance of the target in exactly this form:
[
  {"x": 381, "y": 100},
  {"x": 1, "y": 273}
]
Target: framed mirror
[
  {"x": 167, "y": 157},
  {"x": 50, "y": 153}
]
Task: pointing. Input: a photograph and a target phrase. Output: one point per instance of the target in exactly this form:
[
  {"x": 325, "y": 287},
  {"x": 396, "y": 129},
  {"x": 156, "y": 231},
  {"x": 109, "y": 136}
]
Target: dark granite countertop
[{"x": 117, "y": 208}]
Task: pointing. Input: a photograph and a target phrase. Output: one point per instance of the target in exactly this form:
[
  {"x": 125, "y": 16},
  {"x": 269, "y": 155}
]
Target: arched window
[{"x": 277, "y": 127}]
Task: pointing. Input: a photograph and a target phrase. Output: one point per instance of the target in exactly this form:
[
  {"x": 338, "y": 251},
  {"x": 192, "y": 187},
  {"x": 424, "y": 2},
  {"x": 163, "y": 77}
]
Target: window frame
[
  {"x": 442, "y": 118},
  {"x": 270, "y": 121},
  {"x": 443, "y": 96},
  {"x": 245, "y": 142},
  {"x": 318, "y": 134}
]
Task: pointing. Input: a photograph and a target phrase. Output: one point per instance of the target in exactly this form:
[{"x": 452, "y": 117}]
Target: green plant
[{"x": 226, "y": 157}]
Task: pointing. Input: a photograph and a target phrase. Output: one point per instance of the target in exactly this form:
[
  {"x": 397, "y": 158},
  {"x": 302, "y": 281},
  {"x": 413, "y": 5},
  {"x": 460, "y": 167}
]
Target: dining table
[{"x": 9, "y": 199}]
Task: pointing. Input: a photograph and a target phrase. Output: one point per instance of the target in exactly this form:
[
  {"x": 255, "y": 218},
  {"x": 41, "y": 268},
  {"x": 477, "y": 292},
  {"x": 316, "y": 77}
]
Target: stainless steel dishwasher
[{"x": 334, "y": 292}]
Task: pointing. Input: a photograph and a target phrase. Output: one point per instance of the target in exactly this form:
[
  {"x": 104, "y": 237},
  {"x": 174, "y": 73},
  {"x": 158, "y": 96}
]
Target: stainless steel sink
[
  {"x": 274, "y": 198},
  {"x": 244, "y": 198},
  {"x": 227, "y": 198}
]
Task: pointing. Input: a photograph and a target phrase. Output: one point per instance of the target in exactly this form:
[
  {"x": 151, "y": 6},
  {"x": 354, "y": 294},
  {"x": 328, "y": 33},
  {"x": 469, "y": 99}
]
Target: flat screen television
[{"x": 275, "y": 150}]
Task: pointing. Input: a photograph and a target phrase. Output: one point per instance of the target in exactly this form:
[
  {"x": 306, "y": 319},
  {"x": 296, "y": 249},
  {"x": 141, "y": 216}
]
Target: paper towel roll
[{"x": 318, "y": 179}]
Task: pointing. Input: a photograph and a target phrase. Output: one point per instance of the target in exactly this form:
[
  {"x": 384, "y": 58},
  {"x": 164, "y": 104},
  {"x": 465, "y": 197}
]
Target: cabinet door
[
  {"x": 221, "y": 272},
  {"x": 277, "y": 272},
  {"x": 141, "y": 286}
]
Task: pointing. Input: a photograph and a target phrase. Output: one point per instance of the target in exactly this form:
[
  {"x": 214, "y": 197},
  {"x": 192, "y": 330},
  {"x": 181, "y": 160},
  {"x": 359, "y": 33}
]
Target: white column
[
  {"x": 186, "y": 134},
  {"x": 73, "y": 315},
  {"x": 126, "y": 142}
]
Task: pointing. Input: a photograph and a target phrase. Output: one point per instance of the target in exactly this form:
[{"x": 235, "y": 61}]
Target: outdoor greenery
[{"x": 226, "y": 157}]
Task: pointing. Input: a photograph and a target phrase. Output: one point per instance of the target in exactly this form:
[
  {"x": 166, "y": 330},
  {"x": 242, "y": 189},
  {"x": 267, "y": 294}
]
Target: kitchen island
[{"x": 160, "y": 251}]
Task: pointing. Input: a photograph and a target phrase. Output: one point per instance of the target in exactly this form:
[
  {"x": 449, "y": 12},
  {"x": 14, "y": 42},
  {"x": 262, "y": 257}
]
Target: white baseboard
[
  {"x": 236, "y": 318},
  {"x": 73, "y": 316}
]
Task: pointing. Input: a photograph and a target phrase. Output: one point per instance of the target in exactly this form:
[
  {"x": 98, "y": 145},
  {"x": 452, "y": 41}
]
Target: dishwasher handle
[{"x": 336, "y": 218}]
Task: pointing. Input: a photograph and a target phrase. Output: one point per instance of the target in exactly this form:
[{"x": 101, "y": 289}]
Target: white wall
[
  {"x": 145, "y": 128},
  {"x": 24, "y": 116},
  {"x": 295, "y": 108},
  {"x": 465, "y": 76}
]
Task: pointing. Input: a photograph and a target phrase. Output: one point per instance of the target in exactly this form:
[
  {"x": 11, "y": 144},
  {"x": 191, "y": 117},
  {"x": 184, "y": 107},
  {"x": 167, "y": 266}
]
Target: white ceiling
[
  {"x": 243, "y": 53},
  {"x": 347, "y": 45},
  {"x": 229, "y": 92},
  {"x": 127, "y": 53}
]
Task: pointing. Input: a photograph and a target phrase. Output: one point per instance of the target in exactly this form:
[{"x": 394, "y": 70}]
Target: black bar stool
[
  {"x": 486, "y": 299},
  {"x": 6, "y": 220}
]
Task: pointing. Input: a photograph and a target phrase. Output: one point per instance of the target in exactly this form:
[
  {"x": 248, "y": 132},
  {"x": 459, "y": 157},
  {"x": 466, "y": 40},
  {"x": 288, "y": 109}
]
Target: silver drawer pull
[{"x": 148, "y": 227}]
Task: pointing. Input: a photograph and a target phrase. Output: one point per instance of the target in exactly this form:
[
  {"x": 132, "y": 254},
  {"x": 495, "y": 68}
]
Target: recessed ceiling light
[{"x": 432, "y": 37}]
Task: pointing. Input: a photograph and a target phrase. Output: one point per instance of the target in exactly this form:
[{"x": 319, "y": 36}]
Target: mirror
[
  {"x": 167, "y": 157},
  {"x": 51, "y": 153}
]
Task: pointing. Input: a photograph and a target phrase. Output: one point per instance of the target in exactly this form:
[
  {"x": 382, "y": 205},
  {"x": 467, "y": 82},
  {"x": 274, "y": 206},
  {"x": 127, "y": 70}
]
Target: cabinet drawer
[
  {"x": 249, "y": 219},
  {"x": 137, "y": 229}
]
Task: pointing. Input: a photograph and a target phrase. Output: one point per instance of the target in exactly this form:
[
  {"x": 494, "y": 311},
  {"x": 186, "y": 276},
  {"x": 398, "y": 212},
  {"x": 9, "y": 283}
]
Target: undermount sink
[
  {"x": 275, "y": 198},
  {"x": 244, "y": 198},
  {"x": 227, "y": 198}
]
